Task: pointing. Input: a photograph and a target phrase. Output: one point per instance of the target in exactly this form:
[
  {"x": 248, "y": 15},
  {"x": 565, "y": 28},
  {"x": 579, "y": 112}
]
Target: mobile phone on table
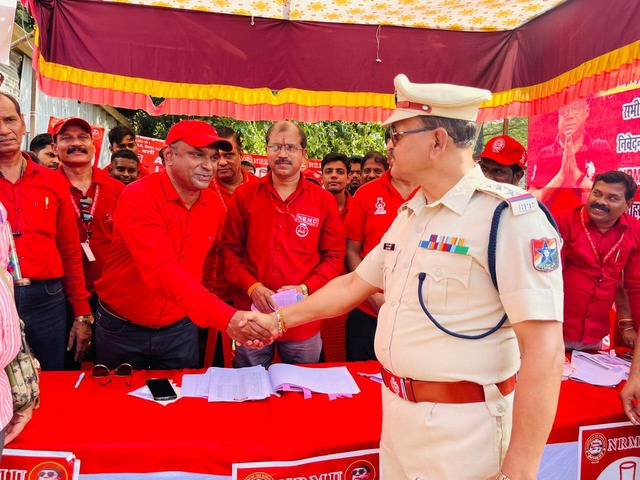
[{"x": 161, "y": 389}]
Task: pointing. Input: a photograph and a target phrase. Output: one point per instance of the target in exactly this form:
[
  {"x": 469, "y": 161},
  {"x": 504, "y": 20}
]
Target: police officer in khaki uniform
[{"x": 449, "y": 341}]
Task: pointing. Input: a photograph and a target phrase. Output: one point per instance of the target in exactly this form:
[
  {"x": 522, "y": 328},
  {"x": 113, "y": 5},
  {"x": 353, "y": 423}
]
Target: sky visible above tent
[{"x": 476, "y": 15}]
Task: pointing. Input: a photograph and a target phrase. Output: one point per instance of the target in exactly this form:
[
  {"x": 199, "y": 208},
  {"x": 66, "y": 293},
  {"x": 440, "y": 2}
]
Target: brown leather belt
[{"x": 441, "y": 392}]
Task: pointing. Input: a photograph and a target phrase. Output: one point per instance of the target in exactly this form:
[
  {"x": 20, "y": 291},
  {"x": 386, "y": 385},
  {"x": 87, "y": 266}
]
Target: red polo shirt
[
  {"x": 154, "y": 271},
  {"x": 104, "y": 191},
  {"x": 373, "y": 209},
  {"x": 589, "y": 286},
  {"x": 276, "y": 242},
  {"x": 213, "y": 276},
  {"x": 344, "y": 213},
  {"x": 39, "y": 209}
]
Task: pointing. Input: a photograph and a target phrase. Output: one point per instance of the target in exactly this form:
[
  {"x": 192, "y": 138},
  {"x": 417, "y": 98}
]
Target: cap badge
[{"x": 498, "y": 145}]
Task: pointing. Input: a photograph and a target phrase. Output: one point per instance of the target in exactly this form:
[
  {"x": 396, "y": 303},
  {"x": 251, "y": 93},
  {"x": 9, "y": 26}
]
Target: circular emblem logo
[
  {"x": 498, "y": 145},
  {"x": 595, "y": 447},
  {"x": 302, "y": 230},
  {"x": 394, "y": 386},
  {"x": 259, "y": 476},
  {"x": 361, "y": 470},
  {"x": 52, "y": 471}
]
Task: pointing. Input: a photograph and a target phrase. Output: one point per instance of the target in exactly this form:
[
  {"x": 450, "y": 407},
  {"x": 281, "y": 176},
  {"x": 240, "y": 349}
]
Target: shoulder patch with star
[{"x": 545, "y": 254}]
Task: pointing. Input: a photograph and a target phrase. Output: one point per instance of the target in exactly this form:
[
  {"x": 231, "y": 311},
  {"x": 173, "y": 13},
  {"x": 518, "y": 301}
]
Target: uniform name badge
[
  {"x": 523, "y": 204},
  {"x": 87, "y": 251}
]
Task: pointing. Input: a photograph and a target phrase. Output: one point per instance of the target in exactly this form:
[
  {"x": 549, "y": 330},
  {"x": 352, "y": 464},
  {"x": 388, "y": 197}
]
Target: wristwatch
[
  {"x": 88, "y": 319},
  {"x": 305, "y": 289},
  {"x": 501, "y": 476}
]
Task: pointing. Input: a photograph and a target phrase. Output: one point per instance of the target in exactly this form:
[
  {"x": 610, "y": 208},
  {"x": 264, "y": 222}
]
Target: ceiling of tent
[{"x": 330, "y": 59}]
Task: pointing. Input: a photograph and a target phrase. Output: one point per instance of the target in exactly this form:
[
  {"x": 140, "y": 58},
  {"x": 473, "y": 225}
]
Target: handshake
[{"x": 253, "y": 329}]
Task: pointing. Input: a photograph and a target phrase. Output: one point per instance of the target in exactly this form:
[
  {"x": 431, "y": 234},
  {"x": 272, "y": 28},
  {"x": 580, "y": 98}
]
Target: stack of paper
[
  {"x": 598, "y": 369},
  {"x": 256, "y": 383}
]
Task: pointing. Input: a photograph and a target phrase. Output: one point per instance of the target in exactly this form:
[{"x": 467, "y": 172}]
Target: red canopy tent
[{"x": 267, "y": 60}]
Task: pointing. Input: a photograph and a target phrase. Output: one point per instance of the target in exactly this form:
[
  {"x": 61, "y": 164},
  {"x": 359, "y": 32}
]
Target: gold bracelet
[
  {"x": 88, "y": 319},
  {"x": 626, "y": 329},
  {"x": 305, "y": 289},
  {"x": 253, "y": 287},
  {"x": 282, "y": 328}
]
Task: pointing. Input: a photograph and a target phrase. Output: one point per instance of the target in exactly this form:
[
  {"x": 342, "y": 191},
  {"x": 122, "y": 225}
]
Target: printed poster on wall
[
  {"x": 569, "y": 147},
  {"x": 312, "y": 168},
  {"x": 38, "y": 465},
  {"x": 609, "y": 451},
  {"x": 149, "y": 153},
  {"x": 356, "y": 465}
]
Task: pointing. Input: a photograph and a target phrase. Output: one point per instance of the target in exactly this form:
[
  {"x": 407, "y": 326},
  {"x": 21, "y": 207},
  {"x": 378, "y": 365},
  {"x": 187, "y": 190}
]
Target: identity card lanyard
[
  {"x": 593, "y": 246},
  {"x": 87, "y": 225},
  {"x": 217, "y": 187}
]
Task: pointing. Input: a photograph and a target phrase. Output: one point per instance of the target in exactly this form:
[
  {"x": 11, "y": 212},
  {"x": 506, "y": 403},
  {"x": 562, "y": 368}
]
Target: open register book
[{"x": 256, "y": 383}]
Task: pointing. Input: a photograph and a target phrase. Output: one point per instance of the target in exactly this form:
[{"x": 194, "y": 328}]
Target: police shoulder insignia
[
  {"x": 545, "y": 254},
  {"x": 520, "y": 201}
]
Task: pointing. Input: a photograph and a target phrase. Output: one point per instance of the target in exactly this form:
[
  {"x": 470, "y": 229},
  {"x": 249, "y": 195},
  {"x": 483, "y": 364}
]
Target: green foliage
[
  {"x": 23, "y": 18},
  {"x": 323, "y": 137}
]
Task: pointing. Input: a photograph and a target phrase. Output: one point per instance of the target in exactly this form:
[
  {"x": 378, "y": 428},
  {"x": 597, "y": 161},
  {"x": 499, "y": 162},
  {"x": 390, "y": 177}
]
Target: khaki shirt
[{"x": 457, "y": 289}]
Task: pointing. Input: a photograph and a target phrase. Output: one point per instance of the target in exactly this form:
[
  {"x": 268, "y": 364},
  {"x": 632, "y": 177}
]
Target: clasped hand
[{"x": 253, "y": 329}]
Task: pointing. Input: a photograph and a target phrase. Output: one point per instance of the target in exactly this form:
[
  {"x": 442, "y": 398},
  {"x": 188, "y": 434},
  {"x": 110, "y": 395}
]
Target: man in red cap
[
  {"x": 503, "y": 160},
  {"x": 94, "y": 195},
  {"x": 46, "y": 238},
  {"x": 151, "y": 293}
]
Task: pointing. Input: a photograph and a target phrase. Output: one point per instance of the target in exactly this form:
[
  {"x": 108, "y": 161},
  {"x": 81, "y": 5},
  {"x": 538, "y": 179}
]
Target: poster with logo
[
  {"x": 356, "y": 465},
  {"x": 38, "y": 465},
  {"x": 149, "y": 153},
  {"x": 609, "y": 452},
  {"x": 567, "y": 148},
  {"x": 97, "y": 135}
]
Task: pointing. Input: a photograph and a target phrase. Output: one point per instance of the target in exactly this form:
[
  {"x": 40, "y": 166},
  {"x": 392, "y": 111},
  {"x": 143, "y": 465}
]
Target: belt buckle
[{"x": 398, "y": 387}]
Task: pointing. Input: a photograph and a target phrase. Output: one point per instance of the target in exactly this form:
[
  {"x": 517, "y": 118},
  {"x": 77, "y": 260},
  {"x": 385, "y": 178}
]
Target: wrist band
[
  {"x": 626, "y": 329},
  {"x": 282, "y": 328},
  {"x": 623, "y": 321},
  {"x": 253, "y": 287},
  {"x": 305, "y": 289}
]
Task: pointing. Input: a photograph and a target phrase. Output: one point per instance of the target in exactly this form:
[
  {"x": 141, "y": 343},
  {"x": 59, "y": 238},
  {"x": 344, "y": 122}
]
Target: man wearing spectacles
[
  {"x": 50, "y": 473},
  {"x": 41, "y": 215},
  {"x": 229, "y": 176},
  {"x": 361, "y": 472},
  {"x": 94, "y": 195},
  {"x": 450, "y": 340},
  {"x": 151, "y": 293},
  {"x": 563, "y": 173},
  {"x": 282, "y": 233}
]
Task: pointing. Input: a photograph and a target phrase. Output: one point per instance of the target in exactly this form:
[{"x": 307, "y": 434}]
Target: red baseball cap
[
  {"x": 505, "y": 150},
  {"x": 197, "y": 134},
  {"x": 65, "y": 122}
]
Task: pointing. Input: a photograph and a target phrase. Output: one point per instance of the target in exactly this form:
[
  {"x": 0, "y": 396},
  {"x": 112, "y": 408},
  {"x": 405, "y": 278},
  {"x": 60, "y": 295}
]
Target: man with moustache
[
  {"x": 282, "y": 233},
  {"x": 94, "y": 193},
  {"x": 46, "y": 237},
  {"x": 601, "y": 241},
  {"x": 151, "y": 296}
]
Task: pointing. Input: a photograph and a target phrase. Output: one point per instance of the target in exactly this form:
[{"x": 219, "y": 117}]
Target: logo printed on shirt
[
  {"x": 307, "y": 219},
  {"x": 380, "y": 207},
  {"x": 545, "y": 254},
  {"x": 302, "y": 230}
]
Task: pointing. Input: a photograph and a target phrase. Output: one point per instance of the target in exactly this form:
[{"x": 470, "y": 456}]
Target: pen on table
[{"x": 79, "y": 380}]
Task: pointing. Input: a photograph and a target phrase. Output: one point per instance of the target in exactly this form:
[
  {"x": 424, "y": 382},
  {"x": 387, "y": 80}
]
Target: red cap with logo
[
  {"x": 196, "y": 133},
  {"x": 65, "y": 122},
  {"x": 506, "y": 151}
]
